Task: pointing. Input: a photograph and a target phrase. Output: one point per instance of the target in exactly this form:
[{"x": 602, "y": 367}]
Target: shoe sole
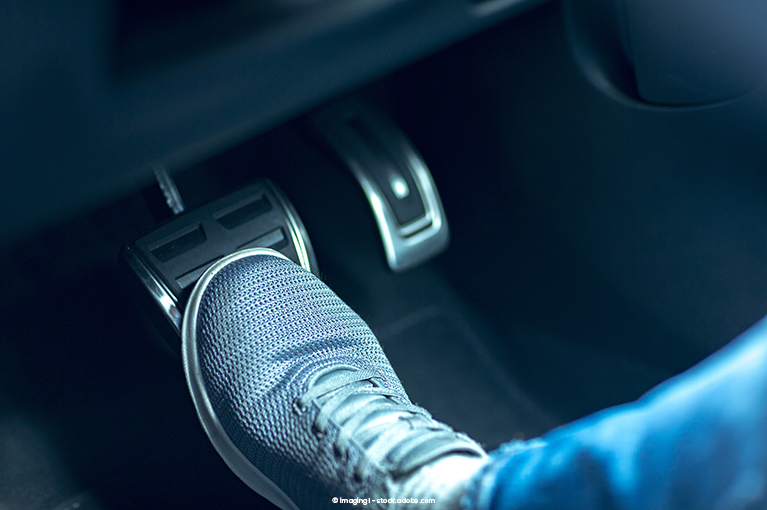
[{"x": 236, "y": 461}]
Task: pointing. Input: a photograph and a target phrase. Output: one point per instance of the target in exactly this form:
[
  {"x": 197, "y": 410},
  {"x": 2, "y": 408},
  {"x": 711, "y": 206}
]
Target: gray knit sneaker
[{"x": 294, "y": 390}]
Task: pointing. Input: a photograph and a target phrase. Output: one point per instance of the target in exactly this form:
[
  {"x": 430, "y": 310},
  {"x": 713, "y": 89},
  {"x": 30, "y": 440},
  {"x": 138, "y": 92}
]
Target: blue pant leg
[{"x": 697, "y": 442}]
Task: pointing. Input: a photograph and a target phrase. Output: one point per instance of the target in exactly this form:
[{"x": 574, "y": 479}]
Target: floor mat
[{"x": 445, "y": 368}]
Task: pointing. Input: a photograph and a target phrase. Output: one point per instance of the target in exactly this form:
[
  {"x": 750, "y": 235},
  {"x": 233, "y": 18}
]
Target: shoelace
[{"x": 400, "y": 447}]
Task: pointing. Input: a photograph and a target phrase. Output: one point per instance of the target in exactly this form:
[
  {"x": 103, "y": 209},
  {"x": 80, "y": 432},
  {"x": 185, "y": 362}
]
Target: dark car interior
[{"x": 600, "y": 164}]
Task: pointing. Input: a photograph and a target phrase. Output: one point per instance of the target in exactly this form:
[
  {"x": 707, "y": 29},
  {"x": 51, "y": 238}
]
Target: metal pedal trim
[{"x": 405, "y": 245}]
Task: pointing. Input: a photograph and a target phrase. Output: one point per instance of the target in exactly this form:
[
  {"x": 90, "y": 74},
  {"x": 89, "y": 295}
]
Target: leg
[{"x": 698, "y": 441}]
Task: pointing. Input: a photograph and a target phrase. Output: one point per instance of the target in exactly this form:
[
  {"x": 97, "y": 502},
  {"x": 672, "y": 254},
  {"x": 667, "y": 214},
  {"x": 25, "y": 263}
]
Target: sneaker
[{"x": 295, "y": 392}]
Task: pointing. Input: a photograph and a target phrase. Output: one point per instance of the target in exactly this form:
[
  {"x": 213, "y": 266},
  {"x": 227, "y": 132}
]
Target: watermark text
[{"x": 382, "y": 501}]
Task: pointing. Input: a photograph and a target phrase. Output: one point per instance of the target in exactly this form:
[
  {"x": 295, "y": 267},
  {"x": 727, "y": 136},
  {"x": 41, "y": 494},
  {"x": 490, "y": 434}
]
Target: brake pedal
[
  {"x": 394, "y": 177},
  {"x": 163, "y": 266}
]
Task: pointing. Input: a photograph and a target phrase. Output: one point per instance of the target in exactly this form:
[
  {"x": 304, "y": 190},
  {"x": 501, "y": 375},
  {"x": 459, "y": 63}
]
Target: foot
[{"x": 296, "y": 394}]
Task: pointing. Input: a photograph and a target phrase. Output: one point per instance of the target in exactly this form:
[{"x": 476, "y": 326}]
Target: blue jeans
[{"x": 697, "y": 441}]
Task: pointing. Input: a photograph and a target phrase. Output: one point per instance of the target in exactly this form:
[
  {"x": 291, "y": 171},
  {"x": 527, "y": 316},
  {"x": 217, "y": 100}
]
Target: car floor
[{"x": 510, "y": 333}]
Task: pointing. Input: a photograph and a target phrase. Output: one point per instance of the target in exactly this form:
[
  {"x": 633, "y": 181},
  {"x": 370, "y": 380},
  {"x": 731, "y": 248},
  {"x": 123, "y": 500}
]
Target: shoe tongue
[{"x": 332, "y": 375}]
